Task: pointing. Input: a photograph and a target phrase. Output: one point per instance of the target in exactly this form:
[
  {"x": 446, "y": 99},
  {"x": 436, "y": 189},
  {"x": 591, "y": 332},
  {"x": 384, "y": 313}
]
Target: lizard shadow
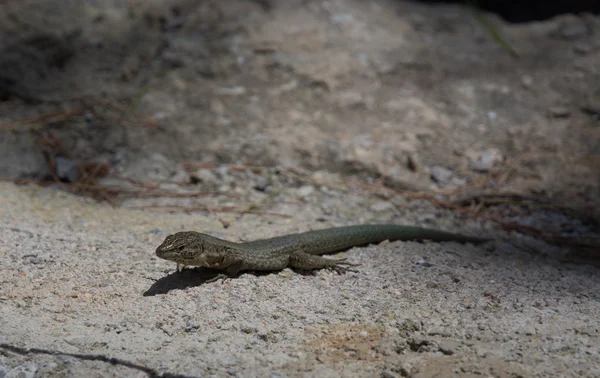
[
  {"x": 192, "y": 277},
  {"x": 181, "y": 280},
  {"x": 189, "y": 277}
]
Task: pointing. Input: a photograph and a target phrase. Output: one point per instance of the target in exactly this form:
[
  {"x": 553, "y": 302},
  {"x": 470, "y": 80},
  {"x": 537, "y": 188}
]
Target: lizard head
[{"x": 191, "y": 248}]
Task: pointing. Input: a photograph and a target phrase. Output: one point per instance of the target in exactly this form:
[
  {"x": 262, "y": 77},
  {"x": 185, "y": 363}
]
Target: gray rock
[
  {"x": 484, "y": 161},
  {"x": 440, "y": 174},
  {"x": 381, "y": 206},
  {"x": 481, "y": 353},
  {"x": 206, "y": 176},
  {"x": 191, "y": 326},
  {"x": 305, "y": 190},
  {"x": 67, "y": 169},
  {"x": 558, "y": 347},
  {"x": 261, "y": 183},
  {"x": 559, "y": 112},
  {"x": 249, "y": 328},
  {"x": 448, "y": 347}
]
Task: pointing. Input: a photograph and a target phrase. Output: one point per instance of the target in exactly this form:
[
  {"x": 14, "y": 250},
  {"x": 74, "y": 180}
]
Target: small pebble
[
  {"x": 261, "y": 183},
  {"x": 381, "y": 206},
  {"x": 249, "y": 328},
  {"x": 483, "y": 161},
  {"x": 559, "y": 112},
  {"x": 558, "y": 347},
  {"x": 305, "y": 190},
  {"x": 440, "y": 174},
  {"x": 448, "y": 347},
  {"x": 67, "y": 169}
]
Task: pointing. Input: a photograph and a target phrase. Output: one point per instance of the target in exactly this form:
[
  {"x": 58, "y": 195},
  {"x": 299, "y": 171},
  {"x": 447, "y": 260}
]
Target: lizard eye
[{"x": 181, "y": 247}]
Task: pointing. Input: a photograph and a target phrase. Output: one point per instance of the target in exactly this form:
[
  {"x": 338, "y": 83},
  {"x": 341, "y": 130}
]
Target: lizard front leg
[
  {"x": 302, "y": 260},
  {"x": 231, "y": 272}
]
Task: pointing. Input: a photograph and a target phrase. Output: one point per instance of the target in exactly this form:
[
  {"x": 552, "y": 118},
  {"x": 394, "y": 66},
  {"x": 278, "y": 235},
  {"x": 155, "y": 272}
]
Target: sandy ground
[
  {"x": 79, "y": 279},
  {"x": 248, "y": 120}
]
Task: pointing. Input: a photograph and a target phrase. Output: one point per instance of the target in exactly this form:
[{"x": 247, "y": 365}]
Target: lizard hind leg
[{"x": 302, "y": 260}]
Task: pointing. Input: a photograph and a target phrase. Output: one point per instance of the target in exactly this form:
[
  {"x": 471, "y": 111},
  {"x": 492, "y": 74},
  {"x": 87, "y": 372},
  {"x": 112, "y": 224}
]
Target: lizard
[{"x": 300, "y": 251}]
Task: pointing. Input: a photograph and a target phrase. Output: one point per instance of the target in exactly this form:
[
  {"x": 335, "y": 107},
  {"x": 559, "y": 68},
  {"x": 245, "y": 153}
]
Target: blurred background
[{"x": 488, "y": 108}]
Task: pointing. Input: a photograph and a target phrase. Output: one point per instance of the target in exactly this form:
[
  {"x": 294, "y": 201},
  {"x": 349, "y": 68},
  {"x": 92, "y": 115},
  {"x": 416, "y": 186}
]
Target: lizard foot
[
  {"x": 218, "y": 277},
  {"x": 302, "y": 260},
  {"x": 342, "y": 266}
]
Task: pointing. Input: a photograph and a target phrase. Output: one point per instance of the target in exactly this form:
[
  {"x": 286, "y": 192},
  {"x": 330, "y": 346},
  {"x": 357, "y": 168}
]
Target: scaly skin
[{"x": 295, "y": 251}]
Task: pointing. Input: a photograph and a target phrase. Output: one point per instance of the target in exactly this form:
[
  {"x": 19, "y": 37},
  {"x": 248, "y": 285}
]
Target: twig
[
  {"x": 173, "y": 208},
  {"x": 263, "y": 202},
  {"x": 42, "y": 118}
]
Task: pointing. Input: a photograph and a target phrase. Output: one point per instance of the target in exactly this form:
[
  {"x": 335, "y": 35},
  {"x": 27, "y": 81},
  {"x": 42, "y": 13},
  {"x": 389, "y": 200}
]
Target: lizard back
[{"x": 330, "y": 240}]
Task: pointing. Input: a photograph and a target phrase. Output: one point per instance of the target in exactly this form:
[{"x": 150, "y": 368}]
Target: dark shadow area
[
  {"x": 192, "y": 277},
  {"x": 90, "y": 357},
  {"x": 181, "y": 280},
  {"x": 518, "y": 11},
  {"x": 28, "y": 61}
]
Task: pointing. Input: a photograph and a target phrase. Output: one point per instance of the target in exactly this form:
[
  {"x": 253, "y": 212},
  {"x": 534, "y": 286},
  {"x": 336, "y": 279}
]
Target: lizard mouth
[
  {"x": 169, "y": 250},
  {"x": 164, "y": 253}
]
